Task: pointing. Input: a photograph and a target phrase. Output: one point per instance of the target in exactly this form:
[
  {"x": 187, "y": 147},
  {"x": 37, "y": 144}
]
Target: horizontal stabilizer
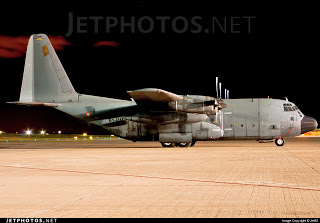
[
  {"x": 35, "y": 104},
  {"x": 154, "y": 95}
]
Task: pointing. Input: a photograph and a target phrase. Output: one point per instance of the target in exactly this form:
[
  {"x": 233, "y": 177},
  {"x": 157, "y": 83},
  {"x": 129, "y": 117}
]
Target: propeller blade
[
  {"x": 216, "y": 115},
  {"x": 220, "y": 121},
  {"x": 216, "y": 104},
  {"x": 217, "y": 87}
]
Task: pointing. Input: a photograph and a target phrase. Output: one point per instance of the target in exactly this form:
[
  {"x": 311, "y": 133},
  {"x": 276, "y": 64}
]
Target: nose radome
[{"x": 308, "y": 124}]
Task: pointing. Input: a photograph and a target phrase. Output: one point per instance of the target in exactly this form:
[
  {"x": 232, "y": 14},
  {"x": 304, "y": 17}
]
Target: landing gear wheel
[
  {"x": 279, "y": 142},
  {"x": 183, "y": 144},
  {"x": 167, "y": 144},
  {"x": 192, "y": 144}
]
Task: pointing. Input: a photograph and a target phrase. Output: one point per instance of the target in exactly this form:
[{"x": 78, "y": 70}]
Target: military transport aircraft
[{"x": 155, "y": 114}]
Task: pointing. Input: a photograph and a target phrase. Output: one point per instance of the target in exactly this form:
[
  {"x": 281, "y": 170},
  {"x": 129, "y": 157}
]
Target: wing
[{"x": 154, "y": 95}]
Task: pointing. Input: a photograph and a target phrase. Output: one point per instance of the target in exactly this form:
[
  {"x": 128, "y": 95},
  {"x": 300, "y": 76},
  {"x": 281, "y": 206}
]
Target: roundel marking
[{"x": 88, "y": 114}]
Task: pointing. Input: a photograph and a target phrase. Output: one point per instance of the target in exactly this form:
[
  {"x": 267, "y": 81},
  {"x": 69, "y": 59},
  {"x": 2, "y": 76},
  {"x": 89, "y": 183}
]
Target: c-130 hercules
[{"x": 155, "y": 114}]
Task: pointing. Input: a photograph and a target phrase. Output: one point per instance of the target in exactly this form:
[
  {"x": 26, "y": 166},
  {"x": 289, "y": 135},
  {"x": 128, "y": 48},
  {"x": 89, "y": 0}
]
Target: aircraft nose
[{"x": 308, "y": 124}]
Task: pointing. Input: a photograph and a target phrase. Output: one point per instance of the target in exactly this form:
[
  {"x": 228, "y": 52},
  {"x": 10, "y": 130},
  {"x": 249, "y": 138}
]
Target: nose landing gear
[{"x": 279, "y": 141}]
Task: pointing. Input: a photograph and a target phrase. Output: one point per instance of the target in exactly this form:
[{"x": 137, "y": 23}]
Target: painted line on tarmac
[{"x": 160, "y": 178}]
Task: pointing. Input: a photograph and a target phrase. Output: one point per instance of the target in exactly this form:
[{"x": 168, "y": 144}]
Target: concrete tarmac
[{"x": 119, "y": 178}]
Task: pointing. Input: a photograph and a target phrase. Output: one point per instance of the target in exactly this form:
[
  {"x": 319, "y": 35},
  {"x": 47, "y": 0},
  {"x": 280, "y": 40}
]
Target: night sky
[{"x": 273, "y": 60}]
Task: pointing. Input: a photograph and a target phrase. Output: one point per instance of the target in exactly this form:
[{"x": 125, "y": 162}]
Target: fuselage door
[{"x": 265, "y": 126}]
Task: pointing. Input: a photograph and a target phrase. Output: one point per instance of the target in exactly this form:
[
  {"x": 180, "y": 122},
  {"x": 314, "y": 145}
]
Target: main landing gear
[
  {"x": 183, "y": 144},
  {"x": 279, "y": 141}
]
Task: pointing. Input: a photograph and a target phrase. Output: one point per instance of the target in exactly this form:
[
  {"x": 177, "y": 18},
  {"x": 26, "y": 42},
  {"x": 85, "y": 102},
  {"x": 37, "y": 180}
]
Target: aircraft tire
[
  {"x": 279, "y": 142},
  {"x": 192, "y": 144},
  {"x": 167, "y": 144},
  {"x": 182, "y": 144}
]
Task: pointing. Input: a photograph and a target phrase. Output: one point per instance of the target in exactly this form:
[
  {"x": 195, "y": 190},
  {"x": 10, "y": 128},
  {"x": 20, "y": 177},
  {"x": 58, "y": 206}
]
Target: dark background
[{"x": 274, "y": 60}]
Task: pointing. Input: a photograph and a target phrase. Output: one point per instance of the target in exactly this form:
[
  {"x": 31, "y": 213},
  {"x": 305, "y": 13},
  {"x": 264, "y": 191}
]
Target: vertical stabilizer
[{"x": 44, "y": 78}]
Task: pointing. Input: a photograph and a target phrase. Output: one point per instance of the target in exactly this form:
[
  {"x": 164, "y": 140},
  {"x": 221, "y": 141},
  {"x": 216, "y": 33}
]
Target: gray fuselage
[{"x": 242, "y": 119}]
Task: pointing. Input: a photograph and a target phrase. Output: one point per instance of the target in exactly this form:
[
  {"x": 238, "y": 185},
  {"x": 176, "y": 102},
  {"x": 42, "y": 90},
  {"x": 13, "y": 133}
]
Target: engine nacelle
[
  {"x": 195, "y": 104},
  {"x": 201, "y": 110}
]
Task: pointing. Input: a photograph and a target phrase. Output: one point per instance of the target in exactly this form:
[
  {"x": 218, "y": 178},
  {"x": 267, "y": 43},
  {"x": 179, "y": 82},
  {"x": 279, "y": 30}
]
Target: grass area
[{"x": 16, "y": 137}]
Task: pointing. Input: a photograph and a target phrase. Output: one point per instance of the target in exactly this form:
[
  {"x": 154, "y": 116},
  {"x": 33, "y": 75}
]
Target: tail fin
[{"x": 44, "y": 79}]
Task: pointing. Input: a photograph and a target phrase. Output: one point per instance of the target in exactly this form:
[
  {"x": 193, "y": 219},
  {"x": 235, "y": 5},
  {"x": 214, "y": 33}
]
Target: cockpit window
[{"x": 290, "y": 107}]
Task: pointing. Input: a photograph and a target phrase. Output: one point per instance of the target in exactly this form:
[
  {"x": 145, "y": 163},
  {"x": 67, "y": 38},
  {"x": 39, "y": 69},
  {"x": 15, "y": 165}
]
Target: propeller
[{"x": 218, "y": 106}]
